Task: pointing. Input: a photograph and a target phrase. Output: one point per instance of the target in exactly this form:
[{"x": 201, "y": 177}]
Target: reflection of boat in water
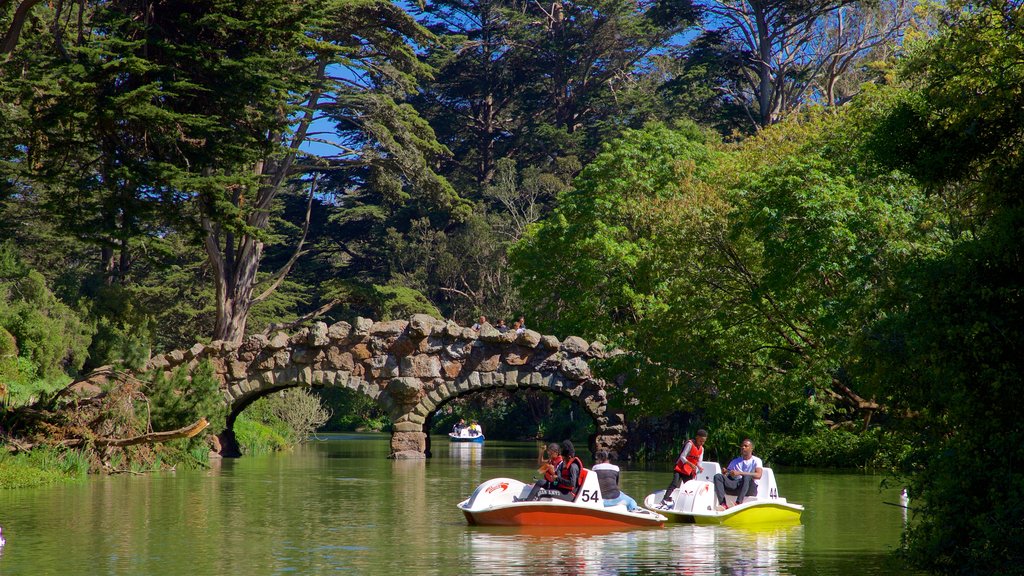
[
  {"x": 466, "y": 453},
  {"x": 675, "y": 549},
  {"x": 466, "y": 435},
  {"x": 695, "y": 502},
  {"x": 495, "y": 503}
]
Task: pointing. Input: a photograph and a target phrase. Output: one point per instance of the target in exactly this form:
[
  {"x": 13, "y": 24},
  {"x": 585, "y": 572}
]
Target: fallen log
[{"x": 151, "y": 438}]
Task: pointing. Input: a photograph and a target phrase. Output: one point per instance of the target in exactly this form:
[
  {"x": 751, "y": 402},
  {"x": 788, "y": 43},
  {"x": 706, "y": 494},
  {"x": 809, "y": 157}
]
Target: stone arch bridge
[{"x": 409, "y": 367}]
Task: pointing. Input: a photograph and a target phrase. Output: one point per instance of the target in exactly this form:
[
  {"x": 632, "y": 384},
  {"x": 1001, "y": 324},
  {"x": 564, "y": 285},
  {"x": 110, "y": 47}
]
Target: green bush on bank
[{"x": 41, "y": 466}]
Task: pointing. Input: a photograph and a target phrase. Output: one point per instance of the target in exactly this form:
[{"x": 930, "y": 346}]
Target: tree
[
  {"x": 768, "y": 58},
  {"x": 946, "y": 343}
]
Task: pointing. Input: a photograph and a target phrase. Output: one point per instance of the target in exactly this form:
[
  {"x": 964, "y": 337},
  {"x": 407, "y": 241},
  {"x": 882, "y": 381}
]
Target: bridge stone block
[
  {"x": 511, "y": 380},
  {"x": 237, "y": 370},
  {"x": 575, "y": 345},
  {"x": 304, "y": 375},
  {"x": 435, "y": 397},
  {"x": 278, "y": 341},
  {"x": 158, "y": 362},
  {"x": 452, "y": 330},
  {"x": 517, "y": 356},
  {"x": 361, "y": 352},
  {"x": 303, "y": 355},
  {"x": 528, "y": 339},
  {"x": 335, "y": 358},
  {"x": 421, "y": 366},
  {"x": 175, "y": 357},
  {"x": 408, "y": 442},
  {"x": 536, "y": 379},
  {"x": 362, "y": 327},
  {"x": 372, "y": 390},
  {"x": 339, "y": 332},
  {"x": 317, "y": 336},
  {"x": 388, "y": 328},
  {"x": 422, "y": 325},
  {"x": 404, "y": 388},
  {"x": 550, "y": 343},
  {"x": 408, "y": 426},
  {"x": 450, "y": 369},
  {"x": 251, "y": 347},
  {"x": 195, "y": 351},
  {"x": 403, "y": 346},
  {"x": 341, "y": 378},
  {"x": 299, "y": 338},
  {"x": 427, "y": 405},
  {"x": 486, "y": 379},
  {"x": 422, "y": 411},
  {"x": 235, "y": 391},
  {"x": 575, "y": 368}
]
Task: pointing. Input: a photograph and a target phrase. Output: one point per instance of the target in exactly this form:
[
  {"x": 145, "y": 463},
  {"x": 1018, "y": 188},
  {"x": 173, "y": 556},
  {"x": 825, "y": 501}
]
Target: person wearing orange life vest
[
  {"x": 687, "y": 466},
  {"x": 568, "y": 473}
]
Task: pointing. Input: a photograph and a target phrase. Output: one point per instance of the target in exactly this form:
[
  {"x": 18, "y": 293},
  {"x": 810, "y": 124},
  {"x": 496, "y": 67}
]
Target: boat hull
[
  {"x": 753, "y": 513},
  {"x": 695, "y": 503},
  {"x": 552, "y": 514},
  {"x": 474, "y": 439},
  {"x": 499, "y": 502}
]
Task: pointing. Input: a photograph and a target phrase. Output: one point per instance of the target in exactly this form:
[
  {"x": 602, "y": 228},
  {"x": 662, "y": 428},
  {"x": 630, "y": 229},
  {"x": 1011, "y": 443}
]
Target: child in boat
[
  {"x": 547, "y": 468},
  {"x": 608, "y": 481},
  {"x": 687, "y": 466}
]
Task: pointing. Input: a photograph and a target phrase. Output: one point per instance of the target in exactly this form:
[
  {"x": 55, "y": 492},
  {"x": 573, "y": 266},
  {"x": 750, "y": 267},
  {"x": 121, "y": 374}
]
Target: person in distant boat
[
  {"x": 474, "y": 428},
  {"x": 480, "y": 322},
  {"x": 688, "y": 464},
  {"x": 520, "y": 325},
  {"x": 608, "y": 481},
  {"x": 739, "y": 476},
  {"x": 548, "y": 468},
  {"x": 502, "y": 327},
  {"x": 459, "y": 427}
]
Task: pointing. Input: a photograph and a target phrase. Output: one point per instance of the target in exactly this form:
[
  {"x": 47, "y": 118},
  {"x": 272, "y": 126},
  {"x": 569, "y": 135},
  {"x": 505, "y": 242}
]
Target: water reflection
[
  {"x": 676, "y": 549},
  {"x": 466, "y": 454}
]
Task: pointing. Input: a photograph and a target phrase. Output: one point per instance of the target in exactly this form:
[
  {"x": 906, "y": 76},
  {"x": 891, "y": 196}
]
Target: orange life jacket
[
  {"x": 549, "y": 474},
  {"x": 687, "y": 463},
  {"x": 565, "y": 482}
]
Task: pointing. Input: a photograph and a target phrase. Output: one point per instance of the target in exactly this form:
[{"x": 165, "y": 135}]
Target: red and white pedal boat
[{"x": 493, "y": 503}]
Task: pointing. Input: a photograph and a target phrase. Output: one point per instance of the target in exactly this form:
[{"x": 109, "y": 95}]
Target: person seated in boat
[
  {"x": 688, "y": 464},
  {"x": 608, "y": 482},
  {"x": 548, "y": 466},
  {"x": 459, "y": 427},
  {"x": 568, "y": 474},
  {"x": 474, "y": 428},
  {"x": 740, "y": 476}
]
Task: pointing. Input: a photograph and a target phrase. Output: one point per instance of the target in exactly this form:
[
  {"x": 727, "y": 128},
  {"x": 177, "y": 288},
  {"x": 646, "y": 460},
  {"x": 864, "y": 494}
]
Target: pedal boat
[
  {"x": 695, "y": 503},
  {"x": 493, "y": 503},
  {"x": 478, "y": 438}
]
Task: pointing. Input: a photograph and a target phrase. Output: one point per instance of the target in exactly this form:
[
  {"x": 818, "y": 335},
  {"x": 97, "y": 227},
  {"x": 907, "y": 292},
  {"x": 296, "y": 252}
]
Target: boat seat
[
  {"x": 579, "y": 483},
  {"x": 766, "y": 486}
]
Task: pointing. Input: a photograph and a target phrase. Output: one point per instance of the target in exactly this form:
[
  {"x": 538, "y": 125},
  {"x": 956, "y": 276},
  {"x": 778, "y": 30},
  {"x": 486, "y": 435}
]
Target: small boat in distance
[
  {"x": 471, "y": 433},
  {"x": 465, "y": 436},
  {"x": 496, "y": 503},
  {"x": 695, "y": 502}
]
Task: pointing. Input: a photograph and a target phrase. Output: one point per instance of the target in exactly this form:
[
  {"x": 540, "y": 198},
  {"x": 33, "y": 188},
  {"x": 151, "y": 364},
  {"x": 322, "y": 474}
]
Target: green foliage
[
  {"x": 42, "y": 341},
  {"x": 181, "y": 400},
  {"x": 40, "y": 466},
  {"x": 352, "y": 411},
  {"x": 945, "y": 346}
]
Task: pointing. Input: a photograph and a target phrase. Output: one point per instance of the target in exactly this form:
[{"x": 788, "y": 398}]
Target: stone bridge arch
[{"x": 409, "y": 367}]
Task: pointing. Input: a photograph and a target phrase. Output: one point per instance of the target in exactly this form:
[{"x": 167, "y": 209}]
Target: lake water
[{"x": 340, "y": 507}]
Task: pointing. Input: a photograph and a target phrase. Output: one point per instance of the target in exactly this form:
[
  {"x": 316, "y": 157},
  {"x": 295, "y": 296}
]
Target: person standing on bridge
[{"x": 687, "y": 466}]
